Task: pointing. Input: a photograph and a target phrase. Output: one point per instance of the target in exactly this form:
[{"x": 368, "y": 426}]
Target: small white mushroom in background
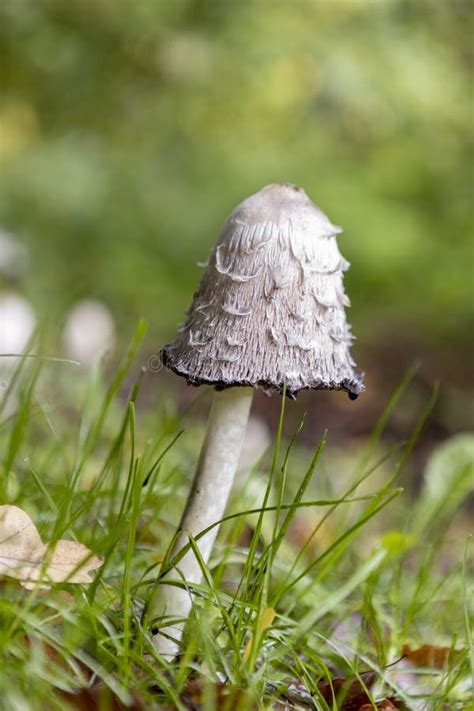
[
  {"x": 17, "y": 325},
  {"x": 269, "y": 314},
  {"x": 17, "y": 320},
  {"x": 89, "y": 333}
]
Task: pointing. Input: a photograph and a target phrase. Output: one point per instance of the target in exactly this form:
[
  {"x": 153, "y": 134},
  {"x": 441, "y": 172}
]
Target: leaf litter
[{"x": 37, "y": 565}]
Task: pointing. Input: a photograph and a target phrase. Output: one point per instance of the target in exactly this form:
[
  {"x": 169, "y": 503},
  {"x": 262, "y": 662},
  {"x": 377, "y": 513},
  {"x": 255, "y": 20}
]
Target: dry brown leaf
[
  {"x": 223, "y": 697},
  {"x": 350, "y": 693},
  {"x": 24, "y": 556},
  {"x": 98, "y": 697},
  {"x": 384, "y": 705},
  {"x": 431, "y": 656}
]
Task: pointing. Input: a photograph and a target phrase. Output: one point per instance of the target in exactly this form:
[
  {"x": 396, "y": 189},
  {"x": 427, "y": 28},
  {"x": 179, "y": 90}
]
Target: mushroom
[
  {"x": 89, "y": 332},
  {"x": 269, "y": 314},
  {"x": 17, "y": 325}
]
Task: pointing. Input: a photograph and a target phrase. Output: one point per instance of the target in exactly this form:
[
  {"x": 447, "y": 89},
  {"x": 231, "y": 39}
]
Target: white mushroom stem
[{"x": 206, "y": 505}]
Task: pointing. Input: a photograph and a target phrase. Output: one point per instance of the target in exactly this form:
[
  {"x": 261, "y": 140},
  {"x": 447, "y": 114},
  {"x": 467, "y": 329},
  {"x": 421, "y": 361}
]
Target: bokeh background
[{"x": 131, "y": 128}]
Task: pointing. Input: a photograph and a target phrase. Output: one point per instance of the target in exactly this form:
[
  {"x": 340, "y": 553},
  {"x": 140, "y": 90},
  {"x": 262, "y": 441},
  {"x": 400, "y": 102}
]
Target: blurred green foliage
[{"x": 131, "y": 128}]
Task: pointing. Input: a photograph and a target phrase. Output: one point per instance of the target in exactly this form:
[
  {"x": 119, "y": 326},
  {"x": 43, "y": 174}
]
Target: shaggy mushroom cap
[{"x": 269, "y": 311}]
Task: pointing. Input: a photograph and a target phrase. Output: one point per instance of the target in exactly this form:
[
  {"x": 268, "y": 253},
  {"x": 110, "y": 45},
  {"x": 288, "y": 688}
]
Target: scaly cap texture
[{"x": 269, "y": 311}]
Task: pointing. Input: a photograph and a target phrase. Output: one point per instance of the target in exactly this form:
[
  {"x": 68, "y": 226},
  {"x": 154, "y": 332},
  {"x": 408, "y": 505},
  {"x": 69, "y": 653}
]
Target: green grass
[{"x": 321, "y": 570}]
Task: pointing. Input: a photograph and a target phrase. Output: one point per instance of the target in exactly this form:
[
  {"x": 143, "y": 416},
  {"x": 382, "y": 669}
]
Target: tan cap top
[{"x": 269, "y": 311}]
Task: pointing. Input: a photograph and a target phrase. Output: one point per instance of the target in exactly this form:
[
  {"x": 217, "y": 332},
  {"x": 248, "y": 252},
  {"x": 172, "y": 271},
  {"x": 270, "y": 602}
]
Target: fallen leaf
[
  {"x": 431, "y": 656},
  {"x": 24, "y": 556},
  {"x": 351, "y": 694},
  {"x": 200, "y": 694},
  {"x": 386, "y": 704},
  {"x": 98, "y": 697}
]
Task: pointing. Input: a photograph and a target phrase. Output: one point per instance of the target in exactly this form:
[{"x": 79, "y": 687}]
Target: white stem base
[{"x": 206, "y": 504}]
